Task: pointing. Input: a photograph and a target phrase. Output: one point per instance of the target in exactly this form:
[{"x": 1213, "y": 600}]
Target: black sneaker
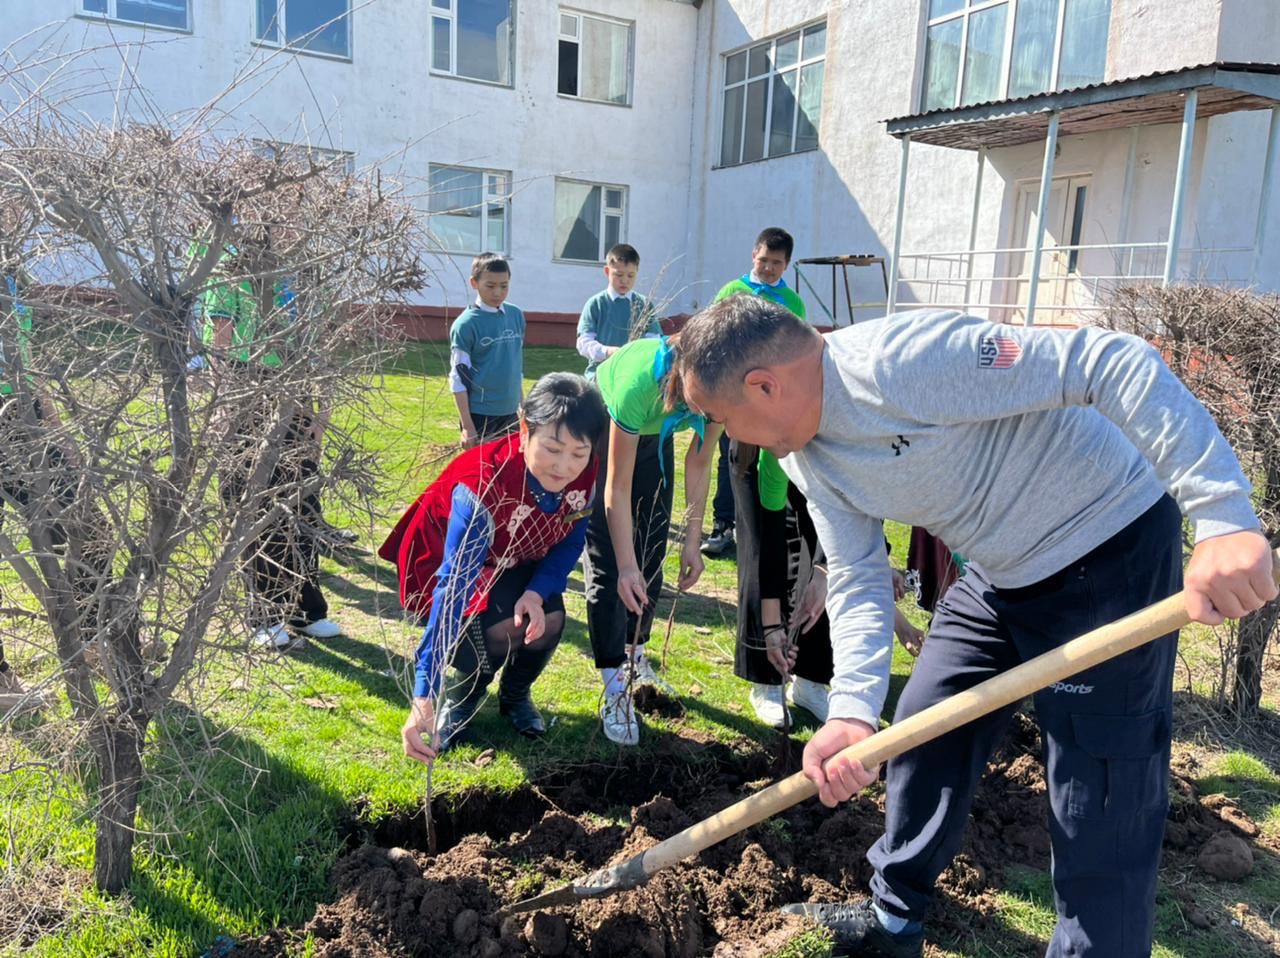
[
  {"x": 720, "y": 540},
  {"x": 858, "y": 932}
]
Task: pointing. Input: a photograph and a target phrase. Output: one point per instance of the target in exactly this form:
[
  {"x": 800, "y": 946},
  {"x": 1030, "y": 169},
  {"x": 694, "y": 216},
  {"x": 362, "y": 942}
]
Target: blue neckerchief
[
  {"x": 768, "y": 292},
  {"x": 547, "y": 502},
  {"x": 681, "y": 416}
]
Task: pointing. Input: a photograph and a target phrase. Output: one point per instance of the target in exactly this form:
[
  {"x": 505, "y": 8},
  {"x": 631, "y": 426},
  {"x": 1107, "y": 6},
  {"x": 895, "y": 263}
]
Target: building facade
[{"x": 549, "y": 131}]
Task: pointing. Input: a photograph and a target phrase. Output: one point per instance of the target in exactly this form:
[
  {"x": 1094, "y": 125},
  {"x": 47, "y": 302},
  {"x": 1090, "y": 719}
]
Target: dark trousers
[
  {"x": 282, "y": 567},
  {"x": 1106, "y": 736},
  {"x": 722, "y": 508},
  {"x": 494, "y": 427},
  {"x": 609, "y": 623}
]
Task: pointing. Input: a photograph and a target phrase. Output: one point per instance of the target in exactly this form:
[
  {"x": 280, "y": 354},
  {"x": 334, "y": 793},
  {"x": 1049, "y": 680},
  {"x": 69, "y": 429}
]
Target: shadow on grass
[{"x": 375, "y": 667}]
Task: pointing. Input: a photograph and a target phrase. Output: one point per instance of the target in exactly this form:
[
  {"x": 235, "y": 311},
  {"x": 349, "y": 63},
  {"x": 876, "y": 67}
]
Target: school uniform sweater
[{"x": 612, "y": 320}]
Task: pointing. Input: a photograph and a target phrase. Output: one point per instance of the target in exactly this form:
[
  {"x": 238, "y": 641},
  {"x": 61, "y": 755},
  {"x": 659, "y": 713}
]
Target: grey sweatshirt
[{"x": 1020, "y": 448}]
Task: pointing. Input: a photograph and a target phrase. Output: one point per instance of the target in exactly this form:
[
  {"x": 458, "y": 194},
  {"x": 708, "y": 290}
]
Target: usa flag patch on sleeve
[{"x": 998, "y": 352}]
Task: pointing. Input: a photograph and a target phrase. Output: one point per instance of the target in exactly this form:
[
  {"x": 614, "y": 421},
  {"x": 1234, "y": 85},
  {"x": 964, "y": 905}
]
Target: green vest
[{"x": 236, "y": 303}]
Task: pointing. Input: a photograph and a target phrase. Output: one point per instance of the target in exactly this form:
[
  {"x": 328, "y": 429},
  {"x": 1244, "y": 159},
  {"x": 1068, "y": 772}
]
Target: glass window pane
[
  {"x": 984, "y": 55},
  {"x": 1084, "y": 43},
  {"x": 268, "y": 26},
  {"x": 484, "y": 40},
  {"x": 577, "y": 216},
  {"x": 815, "y": 41},
  {"x": 497, "y": 239},
  {"x": 319, "y": 25},
  {"x": 810, "y": 106},
  {"x": 1077, "y": 228},
  {"x": 940, "y": 8},
  {"x": 735, "y": 68},
  {"x": 567, "y": 70},
  {"x": 455, "y": 201},
  {"x": 441, "y": 4},
  {"x": 568, "y": 26},
  {"x": 439, "y": 43},
  {"x": 786, "y": 52},
  {"x": 497, "y": 184},
  {"x": 731, "y": 128},
  {"x": 612, "y": 231},
  {"x": 942, "y": 65},
  {"x": 606, "y": 49},
  {"x": 753, "y": 135},
  {"x": 758, "y": 60},
  {"x": 784, "y": 112},
  {"x": 94, "y": 6},
  {"x": 1034, "y": 30},
  {"x": 165, "y": 13},
  {"x": 613, "y": 199}
]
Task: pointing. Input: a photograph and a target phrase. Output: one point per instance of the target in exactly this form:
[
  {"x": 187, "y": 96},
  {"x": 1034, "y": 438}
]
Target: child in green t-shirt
[{"x": 631, "y": 518}]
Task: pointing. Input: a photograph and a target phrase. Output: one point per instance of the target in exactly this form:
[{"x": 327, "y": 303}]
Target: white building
[{"x": 549, "y": 131}]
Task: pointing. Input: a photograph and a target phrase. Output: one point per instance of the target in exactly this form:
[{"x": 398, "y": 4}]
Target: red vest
[{"x": 495, "y": 472}]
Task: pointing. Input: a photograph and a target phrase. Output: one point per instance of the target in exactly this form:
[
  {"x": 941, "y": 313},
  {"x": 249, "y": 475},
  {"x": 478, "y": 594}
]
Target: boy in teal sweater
[
  {"x": 616, "y": 315},
  {"x": 486, "y": 355}
]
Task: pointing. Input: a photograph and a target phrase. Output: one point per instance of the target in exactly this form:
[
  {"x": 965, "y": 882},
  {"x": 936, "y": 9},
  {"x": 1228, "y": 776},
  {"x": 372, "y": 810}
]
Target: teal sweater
[{"x": 613, "y": 322}]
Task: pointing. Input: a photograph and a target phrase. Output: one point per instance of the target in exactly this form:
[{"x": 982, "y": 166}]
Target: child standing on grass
[
  {"x": 627, "y": 535},
  {"x": 484, "y": 554},
  {"x": 486, "y": 355},
  {"x": 616, "y": 315}
]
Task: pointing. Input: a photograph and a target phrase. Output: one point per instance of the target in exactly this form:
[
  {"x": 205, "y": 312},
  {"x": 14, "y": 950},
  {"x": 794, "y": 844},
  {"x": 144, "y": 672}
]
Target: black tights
[{"x": 501, "y": 641}]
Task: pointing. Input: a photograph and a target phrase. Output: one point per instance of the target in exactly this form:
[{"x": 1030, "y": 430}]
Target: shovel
[{"x": 1075, "y": 656}]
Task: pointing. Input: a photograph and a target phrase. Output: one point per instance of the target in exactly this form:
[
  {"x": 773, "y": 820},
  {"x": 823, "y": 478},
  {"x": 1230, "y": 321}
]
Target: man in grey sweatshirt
[{"x": 1056, "y": 462}]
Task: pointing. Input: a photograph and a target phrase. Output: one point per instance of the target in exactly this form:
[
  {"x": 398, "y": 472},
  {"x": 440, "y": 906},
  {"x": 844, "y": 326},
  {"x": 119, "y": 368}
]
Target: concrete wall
[{"x": 385, "y": 106}]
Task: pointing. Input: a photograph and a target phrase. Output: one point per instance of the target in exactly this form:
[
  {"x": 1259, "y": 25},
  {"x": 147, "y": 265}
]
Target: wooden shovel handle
[{"x": 1014, "y": 685}]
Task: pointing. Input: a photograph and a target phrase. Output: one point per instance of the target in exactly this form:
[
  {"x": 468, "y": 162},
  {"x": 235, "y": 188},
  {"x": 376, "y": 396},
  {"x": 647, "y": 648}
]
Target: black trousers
[
  {"x": 282, "y": 567},
  {"x": 1106, "y": 735},
  {"x": 610, "y": 625},
  {"x": 722, "y": 506},
  {"x": 494, "y": 427}
]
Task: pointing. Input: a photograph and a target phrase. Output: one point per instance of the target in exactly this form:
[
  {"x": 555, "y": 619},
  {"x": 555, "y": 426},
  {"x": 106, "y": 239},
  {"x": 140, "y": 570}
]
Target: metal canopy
[{"x": 1142, "y": 101}]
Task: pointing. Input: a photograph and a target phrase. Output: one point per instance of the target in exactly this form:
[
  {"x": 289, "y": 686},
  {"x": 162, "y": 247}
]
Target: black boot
[
  {"x": 858, "y": 932},
  {"x": 514, "y": 700},
  {"x": 460, "y": 704}
]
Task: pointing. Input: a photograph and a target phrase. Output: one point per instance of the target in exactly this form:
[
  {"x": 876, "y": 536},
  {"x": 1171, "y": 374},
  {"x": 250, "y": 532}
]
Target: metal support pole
[
  {"x": 1264, "y": 202},
  {"x": 973, "y": 226},
  {"x": 1180, "y": 185},
  {"x": 1042, "y": 210},
  {"x": 894, "y": 264}
]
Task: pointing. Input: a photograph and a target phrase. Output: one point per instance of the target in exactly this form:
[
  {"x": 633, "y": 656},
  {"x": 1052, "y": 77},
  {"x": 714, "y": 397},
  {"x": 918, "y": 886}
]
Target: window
[
  {"x": 316, "y": 26},
  {"x": 590, "y": 218},
  {"x": 982, "y": 50},
  {"x": 773, "y": 96},
  {"x": 157, "y": 13},
  {"x": 595, "y": 58},
  {"x": 341, "y": 161},
  {"x": 470, "y": 209},
  {"x": 472, "y": 39}
]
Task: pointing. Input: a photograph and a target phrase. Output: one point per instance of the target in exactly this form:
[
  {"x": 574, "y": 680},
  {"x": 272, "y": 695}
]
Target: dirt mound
[
  {"x": 403, "y": 903},
  {"x": 651, "y": 700}
]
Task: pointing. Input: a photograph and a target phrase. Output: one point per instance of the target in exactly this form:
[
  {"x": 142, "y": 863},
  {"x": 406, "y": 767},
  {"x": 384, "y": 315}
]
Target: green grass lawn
[{"x": 261, "y": 768}]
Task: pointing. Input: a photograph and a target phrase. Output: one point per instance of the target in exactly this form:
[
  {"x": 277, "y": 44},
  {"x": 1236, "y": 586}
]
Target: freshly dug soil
[{"x": 393, "y": 900}]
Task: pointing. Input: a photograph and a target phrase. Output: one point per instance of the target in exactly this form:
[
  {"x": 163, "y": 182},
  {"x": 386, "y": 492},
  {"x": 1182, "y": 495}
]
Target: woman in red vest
[{"x": 483, "y": 556}]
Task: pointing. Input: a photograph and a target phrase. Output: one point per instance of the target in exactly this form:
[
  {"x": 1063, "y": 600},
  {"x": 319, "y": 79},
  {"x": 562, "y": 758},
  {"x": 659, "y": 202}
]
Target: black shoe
[
  {"x": 858, "y": 932},
  {"x": 458, "y": 709},
  {"x": 719, "y": 541},
  {"x": 514, "y": 700},
  {"x": 524, "y": 715}
]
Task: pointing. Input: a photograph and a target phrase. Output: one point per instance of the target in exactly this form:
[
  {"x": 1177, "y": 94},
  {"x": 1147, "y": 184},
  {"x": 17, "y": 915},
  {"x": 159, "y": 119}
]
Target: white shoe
[
  {"x": 768, "y": 702},
  {"x": 619, "y": 719},
  {"x": 810, "y": 696},
  {"x": 642, "y": 673},
  {"x": 322, "y": 629},
  {"x": 272, "y": 637}
]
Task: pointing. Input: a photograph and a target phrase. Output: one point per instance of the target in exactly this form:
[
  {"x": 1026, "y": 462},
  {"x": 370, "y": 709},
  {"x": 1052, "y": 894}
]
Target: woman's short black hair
[{"x": 564, "y": 399}]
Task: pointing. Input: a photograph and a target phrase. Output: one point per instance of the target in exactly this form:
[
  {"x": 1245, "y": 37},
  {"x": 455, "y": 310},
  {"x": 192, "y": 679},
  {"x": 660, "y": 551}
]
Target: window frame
[
  {"x": 770, "y": 76},
  {"x": 450, "y": 13},
  {"x": 111, "y": 17},
  {"x": 284, "y": 44},
  {"x": 562, "y": 37},
  {"x": 487, "y": 199},
  {"x": 280, "y": 150},
  {"x": 605, "y": 210},
  {"x": 966, "y": 13}
]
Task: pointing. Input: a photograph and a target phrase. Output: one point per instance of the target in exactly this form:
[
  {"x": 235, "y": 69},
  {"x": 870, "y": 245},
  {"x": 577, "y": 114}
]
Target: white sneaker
[
  {"x": 810, "y": 696},
  {"x": 322, "y": 629},
  {"x": 619, "y": 719},
  {"x": 272, "y": 637},
  {"x": 642, "y": 673},
  {"x": 768, "y": 702}
]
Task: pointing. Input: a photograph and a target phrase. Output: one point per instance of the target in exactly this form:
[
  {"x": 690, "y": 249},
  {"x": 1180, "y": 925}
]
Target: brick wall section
[{"x": 431, "y": 324}]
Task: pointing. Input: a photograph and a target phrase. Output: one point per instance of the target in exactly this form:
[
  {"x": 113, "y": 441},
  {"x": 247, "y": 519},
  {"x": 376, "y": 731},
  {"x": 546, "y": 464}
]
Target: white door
[{"x": 1059, "y": 280}]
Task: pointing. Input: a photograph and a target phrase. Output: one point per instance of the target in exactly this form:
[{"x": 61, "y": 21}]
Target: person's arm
[
  {"x": 461, "y": 376},
  {"x": 468, "y": 538},
  {"x": 617, "y": 511},
  {"x": 697, "y": 483},
  {"x": 772, "y": 567},
  {"x": 589, "y": 346},
  {"x": 951, "y": 368}
]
